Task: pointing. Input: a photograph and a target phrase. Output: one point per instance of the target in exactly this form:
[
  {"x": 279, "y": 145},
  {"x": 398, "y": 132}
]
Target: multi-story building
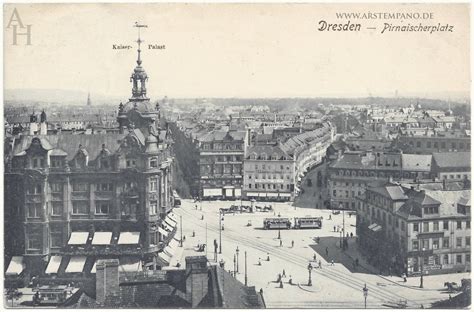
[
  {"x": 309, "y": 148},
  {"x": 452, "y": 166},
  {"x": 352, "y": 171},
  {"x": 406, "y": 230},
  {"x": 430, "y": 141},
  {"x": 221, "y": 155},
  {"x": 74, "y": 198},
  {"x": 269, "y": 174}
]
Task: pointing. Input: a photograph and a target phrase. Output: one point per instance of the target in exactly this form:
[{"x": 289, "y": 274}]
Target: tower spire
[{"x": 139, "y": 76}]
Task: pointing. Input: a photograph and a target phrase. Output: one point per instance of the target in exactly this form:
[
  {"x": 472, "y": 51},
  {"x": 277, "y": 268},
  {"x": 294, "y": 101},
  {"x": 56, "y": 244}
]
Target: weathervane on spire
[{"x": 139, "y": 41}]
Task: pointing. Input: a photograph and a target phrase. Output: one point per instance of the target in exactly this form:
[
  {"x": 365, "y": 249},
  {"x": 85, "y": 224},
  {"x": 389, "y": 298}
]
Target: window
[
  {"x": 443, "y": 144},
  {"x": 446, "y": 242},
  {"x": 468, "y": 241},
  {"x": 153, "y": 163},
  {"x": 106, "y": 187},
  {"x": 102, "y": 207},
  {"x": 79, "y": 207},
  {"x": 56, "y": 163},
  {"x": 458, "y": 259},
  {"x": 435, "y": 144},
  {"x": 468, "y": 258},
  {"x": 415, "y": 245},
  {"x": 250, "y": 185},
  {"x": 57, "y": 208},
  {"x": 459, "y": 225},
  {"x": 56, "y": 240},
  {"x": 34, "y": 210},
  {"x": 79, "y": 187},
  {"x": 334, "y": 193},
  {"x": 153, "y": 185},
  {"x": 38, "y": 162},
  {"x": 34, "y": 242},
  {"x": 426, "y": 226},
  {"x": 468, "y": 224},
  {"x": 418, "y": 144},
  {"x": 415, "y": 227},
  {"x": 428, "y": 144},
  {"x": 153, "y": 208},
  {"x": 34, "y": 189},
  {"x": 426, "y": 244},
  {"x": 56, "y": 188},
  {"x": 446, "y": 259},
  {"x": 458, "y": 242},
  {"x": 435, "y": 243},
  {"x": 453, "y": 145},
  {"x": 445, "y": 225},
  {"x": 131, "y": 163},
  {"x": 436, "y": 226}
]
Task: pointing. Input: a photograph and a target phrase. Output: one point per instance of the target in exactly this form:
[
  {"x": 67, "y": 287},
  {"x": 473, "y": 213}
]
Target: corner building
[{"x": 77, "y": 198}]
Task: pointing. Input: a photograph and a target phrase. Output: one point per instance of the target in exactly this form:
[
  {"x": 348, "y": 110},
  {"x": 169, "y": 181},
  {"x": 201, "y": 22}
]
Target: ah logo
[{"x": 15, "y": 23}]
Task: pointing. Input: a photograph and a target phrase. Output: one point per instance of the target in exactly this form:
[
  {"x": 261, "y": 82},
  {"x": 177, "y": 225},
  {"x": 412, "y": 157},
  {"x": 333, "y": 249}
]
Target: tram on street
[
  {"x": 276, "y": 223},
  {"x": 308, "y": 223}
]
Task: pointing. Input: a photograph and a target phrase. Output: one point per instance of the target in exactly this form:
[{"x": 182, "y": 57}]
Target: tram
[
  {"x": 276, "y": 223},
  {"x": 308, "y": 223}
]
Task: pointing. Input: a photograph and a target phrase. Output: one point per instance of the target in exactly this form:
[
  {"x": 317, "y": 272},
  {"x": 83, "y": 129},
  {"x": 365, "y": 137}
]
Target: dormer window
[
  {"x": 131, "y": 163},
  {"x": 153, "y": 163},
  {"x": 38, "y": 162}
]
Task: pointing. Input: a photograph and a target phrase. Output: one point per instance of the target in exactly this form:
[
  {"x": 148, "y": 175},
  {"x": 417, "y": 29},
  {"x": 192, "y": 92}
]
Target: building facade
[
  {"x": 269, "y": 174},
  {"x": 221, "y": 155},
  {"x": 408, "y": 230},
  {"x": 83, "y": 197}
]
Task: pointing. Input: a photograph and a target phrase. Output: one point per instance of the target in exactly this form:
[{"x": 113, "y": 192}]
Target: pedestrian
[
  {"x": 268, "y": 256},
  {"x": 334, "y": 228},
  {"x": 279, "y": 277},
  {"x": 292, "y": 244},
  {"x": 320, "y": 264},
  {"x": 284, "y": 274},
  {"x": 330, "y": 217},
  {"x": 317, "y": 240},
  {"x": 194, "y": 234},
  {"x": 281, "y": 284},
  {"x": 290, "y": 281},
  {"x": 202, "y": 217},
  {"x": 281, "y": 243},
  {"x": 314, "y": 257},
  {"x": 196, "y": 207},
  {"x": 259, "y": 261},
  {"x": 327, "y": 251},
  {"x": 404, "y": 277},
  {"x": 352, "y": 235},
  {"x": 184, "y": 238},
  {"x": 332, "y": 262},
  {"x": 261, "y": 291}
]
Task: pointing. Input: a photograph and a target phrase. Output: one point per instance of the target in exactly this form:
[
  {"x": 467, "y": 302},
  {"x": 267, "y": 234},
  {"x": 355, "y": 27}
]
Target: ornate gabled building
[{"x": 72, "y": 199}]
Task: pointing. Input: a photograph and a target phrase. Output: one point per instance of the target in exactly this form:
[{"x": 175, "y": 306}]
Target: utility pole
[
  {"x": 181, "y": 228},
  {"x": 220, "y": 232},
  {"x": 245, "y": 268}
]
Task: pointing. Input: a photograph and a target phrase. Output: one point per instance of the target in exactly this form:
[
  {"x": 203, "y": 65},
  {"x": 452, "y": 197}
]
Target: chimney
[
  {"x": 107, "y": 281},
  {"x": 196, "y": 280}
]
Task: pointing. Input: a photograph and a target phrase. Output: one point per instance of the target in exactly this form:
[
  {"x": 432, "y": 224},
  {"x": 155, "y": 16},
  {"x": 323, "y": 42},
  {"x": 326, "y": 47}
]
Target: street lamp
[
  {"x": 220, "y": 232},
  {"x": 234, "y": 266},
  {"x": 343, "y": 239},
  {"x": 237, "y": 253},
  {"x": 279, "y": 234},
  {"x": 245, "y": 268},
  {"x": 181, "y": 229},
  {"x": 422, "y": 262},
  {"x": 365, "y": 290},
  {"x": 310, "y": 268}
]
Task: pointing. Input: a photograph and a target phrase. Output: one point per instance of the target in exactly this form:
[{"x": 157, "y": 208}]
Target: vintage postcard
[{"x": 244, "y": 156}]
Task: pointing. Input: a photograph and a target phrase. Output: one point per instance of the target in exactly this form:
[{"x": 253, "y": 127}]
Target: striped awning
[
  {"x": 173, "y": 217},
  {"x": 130, "y": 265},
  {"x": 53, "y": 265},
  {"x": 76, "y": 264},
  {"x": 169, "y": 251},
  {"x": 164, "y": 258},
  {"x": 16, "y": 266},
  {"x": 169, "y": 224},
  {"x": 129, "y": 238},
  {"x": 252, "y": 194},
  {"x": 170, "y": 221},
  {"x": 78, "y": 238},
  {"x": 102, "y": 238}
]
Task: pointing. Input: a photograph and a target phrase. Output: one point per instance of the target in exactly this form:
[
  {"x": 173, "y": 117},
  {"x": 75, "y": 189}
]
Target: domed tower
[{"x": 138, "y": 111}]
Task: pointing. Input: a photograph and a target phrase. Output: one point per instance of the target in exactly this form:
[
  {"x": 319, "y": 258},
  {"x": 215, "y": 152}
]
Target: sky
[{"x": 237, "y": 50}]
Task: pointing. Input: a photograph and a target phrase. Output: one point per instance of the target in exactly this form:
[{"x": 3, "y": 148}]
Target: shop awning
[
  {"x": 53, "y": 265},
  {"x": 16, "y": 266},
  {"x": 78, "y": 238},
  {"x": 237, "y": 192},
  {"x": 130, "y": 265},
  {"x": 174, "y": 244},
  {"x": 212, "y": 192},
  {"x": 164, "y": 258},
  {"x": 129, "y": 238},
  {"x": 76, "y": 264},
  {"x": 285, "y": 195},
  {"x": 372, "y": 226},
  {"x": 262, "y": 194},
  {"x": 162, "y": 231},
  {"x": 173, "y": 217},
  {"x": 169, "y": 251},
  {"x": 170, "y": 221},
  {"x": 229, "y": 192},
  {"x": 272, "y": 194},
  {"x": 102, "y": 238},
  {"x": 169, "y": 224},
  {"x": 252, "y": 194}
]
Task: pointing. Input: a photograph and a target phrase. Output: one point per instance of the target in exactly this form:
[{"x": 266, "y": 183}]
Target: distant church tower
[{"x": 89, "y": 99}]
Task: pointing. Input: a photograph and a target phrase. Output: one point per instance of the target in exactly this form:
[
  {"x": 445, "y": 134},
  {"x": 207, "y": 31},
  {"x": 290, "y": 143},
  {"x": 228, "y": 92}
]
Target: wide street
[{"x": 334, "y": 286}]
